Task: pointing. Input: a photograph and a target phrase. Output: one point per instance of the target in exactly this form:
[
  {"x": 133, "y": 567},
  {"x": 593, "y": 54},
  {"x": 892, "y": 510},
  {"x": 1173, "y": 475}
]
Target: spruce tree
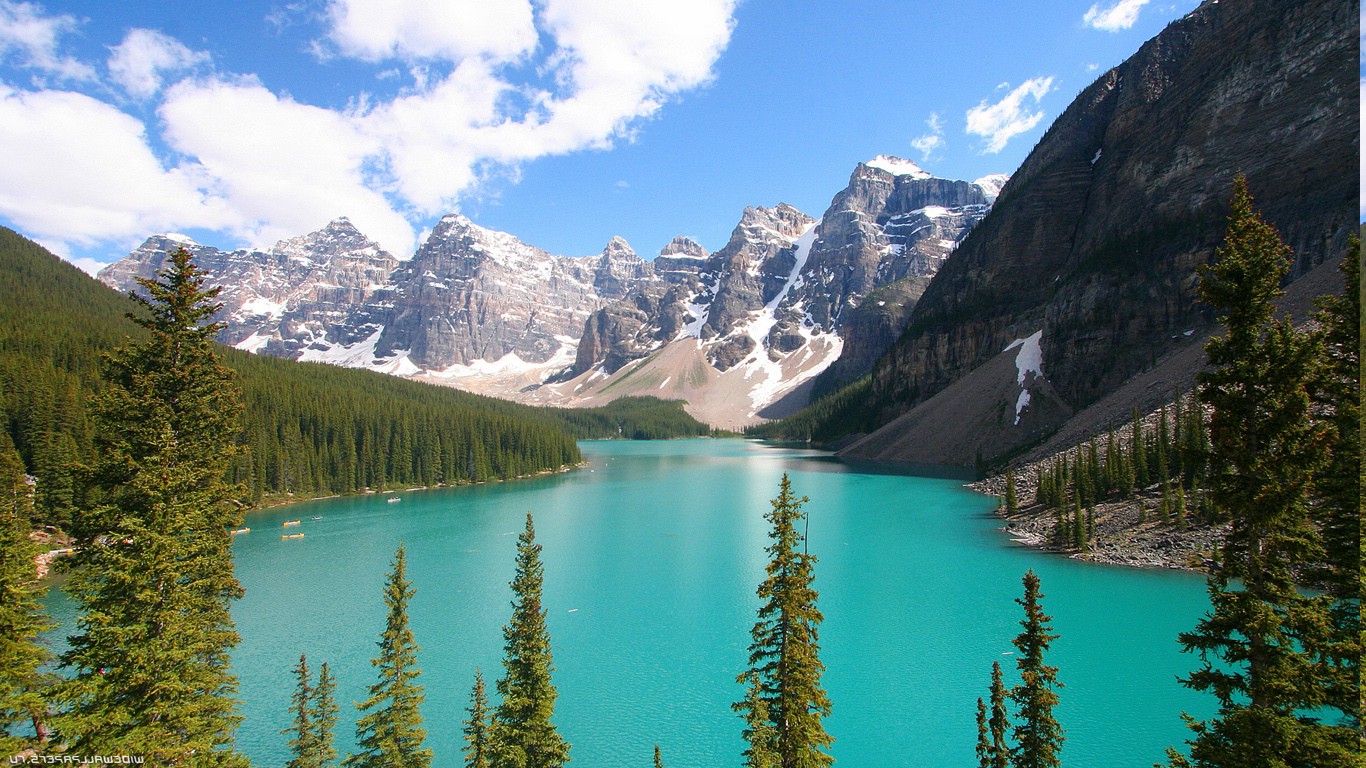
[
  {"x": 154, "y": 579},
  {"x": 998, "y": 722},
  {"x": 390, "y": 734},
  {"x": 476, "y": 726},
  {"x": 300, "y": 731},
  {"x": 659, "y": 760},
  {"x": 1262, "y": 643},
  {"x": 523, "y": 732},
  {"x": 312, "y": 742},
  {"x": 1338, "y": 486},
  {"x": 23, "y": 686},
  {"x": 983, "y": 740},
  {"x": 784, "y": 653},
  {"x": 1038, "y": 736},
  {"x": 1012, "y": 500},
  {"x": 760, "y": 733},
  {"x": 325, "y": 713}
]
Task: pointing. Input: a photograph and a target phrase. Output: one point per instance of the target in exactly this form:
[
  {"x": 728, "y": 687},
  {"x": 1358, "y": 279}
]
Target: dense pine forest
[{"x": 309, "y": 429}]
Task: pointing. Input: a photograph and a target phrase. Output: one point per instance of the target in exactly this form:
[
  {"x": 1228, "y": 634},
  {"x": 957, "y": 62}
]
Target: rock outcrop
[{"x": 1096, "y": 239}]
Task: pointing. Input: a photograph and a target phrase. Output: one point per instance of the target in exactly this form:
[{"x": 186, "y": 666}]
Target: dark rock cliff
[{"x": 1097, "y": 238}]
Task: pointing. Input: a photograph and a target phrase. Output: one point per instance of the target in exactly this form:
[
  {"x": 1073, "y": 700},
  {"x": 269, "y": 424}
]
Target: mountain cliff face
[
  {"x": 325, "y": 288},
  {"x": 1095, "y": 240},
  {"x": 784, "y": 299},
  {"x": 755, "y": 321}
]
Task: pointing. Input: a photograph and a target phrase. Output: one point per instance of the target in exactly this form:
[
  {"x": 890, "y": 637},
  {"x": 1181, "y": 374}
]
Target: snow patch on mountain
[
  {"x": 898, "y": 167},
  {"x": 1028, "y": 361}
]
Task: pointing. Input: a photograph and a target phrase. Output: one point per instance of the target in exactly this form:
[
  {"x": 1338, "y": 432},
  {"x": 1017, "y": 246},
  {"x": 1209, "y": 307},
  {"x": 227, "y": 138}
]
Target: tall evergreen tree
[
  {"x": 1265, "y": 637},
  {"x": 23, "y": 685},
  {"x": 784, "y": 653},
  {"x": 1038, "y": 736},
  {"x": 300, "y": 730},
  {"x": 659, "y": 760},
  {"x": 1012, "y": 499},
  {"x": 1338, "y": 486},
  {"x": 998, "y": 722},
  {"x": 476, "y": 726},
  {"x": 760, "y": 734},
  {"x": 523, "y": 733},
  {"x": 154, "y": 565},
  {"x": 390, "y": 734},
  {"x": 325, "y": 713},
  {"x": 311, "y": 743}
]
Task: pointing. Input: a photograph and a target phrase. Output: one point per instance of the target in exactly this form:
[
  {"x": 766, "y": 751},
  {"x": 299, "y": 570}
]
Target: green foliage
[
  {"x": 997, "y": 751},
  {"x": 1264, "y": 643},
  {"x": 1338, "y": 486},
  {"x": 478, "y": 750},
  {"x": 309, "y": 429},
  {"x": 312, "y": 738},
  {"x": 659, "y": 760},
  {"x": 390, "y": 734},
  {"x": 154, "y": 565},
  {"x": 784, "y": 662},
  {"x": 842, "y": 413},
  {"x": 633, "y": 418},
  {"x": 523, "y": 735},
  {"x": 1038, "y": 736},
  {"x": 23, "y": 685}
]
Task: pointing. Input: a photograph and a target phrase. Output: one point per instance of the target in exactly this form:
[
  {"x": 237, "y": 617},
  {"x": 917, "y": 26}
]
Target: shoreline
[{"x": 1119, "y": 538}]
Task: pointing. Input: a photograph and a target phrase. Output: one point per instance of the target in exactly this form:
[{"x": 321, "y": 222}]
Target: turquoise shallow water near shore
[{"x": 652, "y": 554}]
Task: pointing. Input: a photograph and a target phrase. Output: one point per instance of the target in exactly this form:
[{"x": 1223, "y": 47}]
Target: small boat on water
[
  {"x": 394, "y": 499},
  {"x": 291, "y": 536},
  {"x": 288, "y": 523},
  {"x": 240, "y": 531},
  {"x": 317, "y": 517}
]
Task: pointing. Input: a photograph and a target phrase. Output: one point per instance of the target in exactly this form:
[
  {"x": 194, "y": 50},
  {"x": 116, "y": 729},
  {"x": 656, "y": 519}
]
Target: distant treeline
[{"x": 310, "y": 429}]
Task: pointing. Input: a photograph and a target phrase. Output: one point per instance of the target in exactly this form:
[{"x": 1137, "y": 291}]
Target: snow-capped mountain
[{"x": 740, "y": 333}]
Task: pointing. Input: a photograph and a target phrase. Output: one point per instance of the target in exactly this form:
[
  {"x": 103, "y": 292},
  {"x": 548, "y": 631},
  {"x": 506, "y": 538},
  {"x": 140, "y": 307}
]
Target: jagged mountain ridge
[
  {"x": 482, "y": 310},
  {"x": 1119, "y": 203}
]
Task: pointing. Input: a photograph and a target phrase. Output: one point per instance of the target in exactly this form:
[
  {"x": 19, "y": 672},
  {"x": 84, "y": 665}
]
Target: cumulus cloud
[
  {"x": 138, "y": 62},
  {"x": 31, "y": 36},
  {"x": 1122, "y": 15},
  {"x": 482, "y": 86},
  {"x": 79, "y": 171},
  {"x": 1000, "y": 122},
  {"x": 375, "y": 30},
  {"x": 929, "y": 142}
]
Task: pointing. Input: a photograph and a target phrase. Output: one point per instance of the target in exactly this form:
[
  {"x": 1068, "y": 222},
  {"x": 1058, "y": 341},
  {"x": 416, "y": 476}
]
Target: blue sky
[{"x": 564, "y": 122}]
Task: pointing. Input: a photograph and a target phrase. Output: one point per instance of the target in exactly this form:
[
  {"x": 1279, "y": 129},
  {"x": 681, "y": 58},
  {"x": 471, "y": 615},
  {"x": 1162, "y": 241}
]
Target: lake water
[{"x": 652, "y": 554}]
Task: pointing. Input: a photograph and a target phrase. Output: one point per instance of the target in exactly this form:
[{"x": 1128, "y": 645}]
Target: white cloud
[
  {"x": 78, "y": 170},
  {"x": 928, "y": 143},
  {"x": 25, "y": 31},
  {"x": 1122, "y": 15},
  {"x": 1009, "y": 117},
  {"x": 285, "y": 168},
  {"x": 138, "y": 62},
  {"x": 494, "y": 83},
  {"x": 376, "y": 30}
]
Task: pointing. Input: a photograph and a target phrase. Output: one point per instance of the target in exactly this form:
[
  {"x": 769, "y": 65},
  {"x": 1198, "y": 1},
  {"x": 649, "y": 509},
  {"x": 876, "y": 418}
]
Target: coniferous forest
[
  {"x": 310, "y": 429},
  {"x": 152, "y": 460}
]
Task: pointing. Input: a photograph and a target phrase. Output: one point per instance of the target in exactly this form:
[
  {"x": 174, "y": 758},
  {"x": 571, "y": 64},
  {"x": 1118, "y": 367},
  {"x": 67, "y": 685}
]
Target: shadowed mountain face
[{"x": 1096, "y": 239}]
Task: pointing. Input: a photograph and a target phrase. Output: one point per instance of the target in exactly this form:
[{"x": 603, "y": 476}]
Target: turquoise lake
[{"x": 652, "y": 554}]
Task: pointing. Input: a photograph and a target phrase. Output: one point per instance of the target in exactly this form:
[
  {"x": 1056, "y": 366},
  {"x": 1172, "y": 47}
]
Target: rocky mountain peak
[{"x": 684, "y": 247}]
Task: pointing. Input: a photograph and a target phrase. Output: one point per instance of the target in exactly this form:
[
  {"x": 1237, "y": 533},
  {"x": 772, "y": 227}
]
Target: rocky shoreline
[{"x": 1119, "y": 537}]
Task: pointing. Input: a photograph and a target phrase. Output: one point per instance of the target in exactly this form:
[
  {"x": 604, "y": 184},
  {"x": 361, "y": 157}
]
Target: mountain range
[
  {"x": 918, "y": 319},
  {"x": 739, "y": 333}
]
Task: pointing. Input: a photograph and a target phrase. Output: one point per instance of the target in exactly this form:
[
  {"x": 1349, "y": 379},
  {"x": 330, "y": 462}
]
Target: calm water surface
[{"x": 652, "y": 555}]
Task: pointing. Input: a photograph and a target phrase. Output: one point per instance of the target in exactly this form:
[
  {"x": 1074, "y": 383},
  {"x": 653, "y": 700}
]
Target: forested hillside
[{"x": 310, "y": 429}]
